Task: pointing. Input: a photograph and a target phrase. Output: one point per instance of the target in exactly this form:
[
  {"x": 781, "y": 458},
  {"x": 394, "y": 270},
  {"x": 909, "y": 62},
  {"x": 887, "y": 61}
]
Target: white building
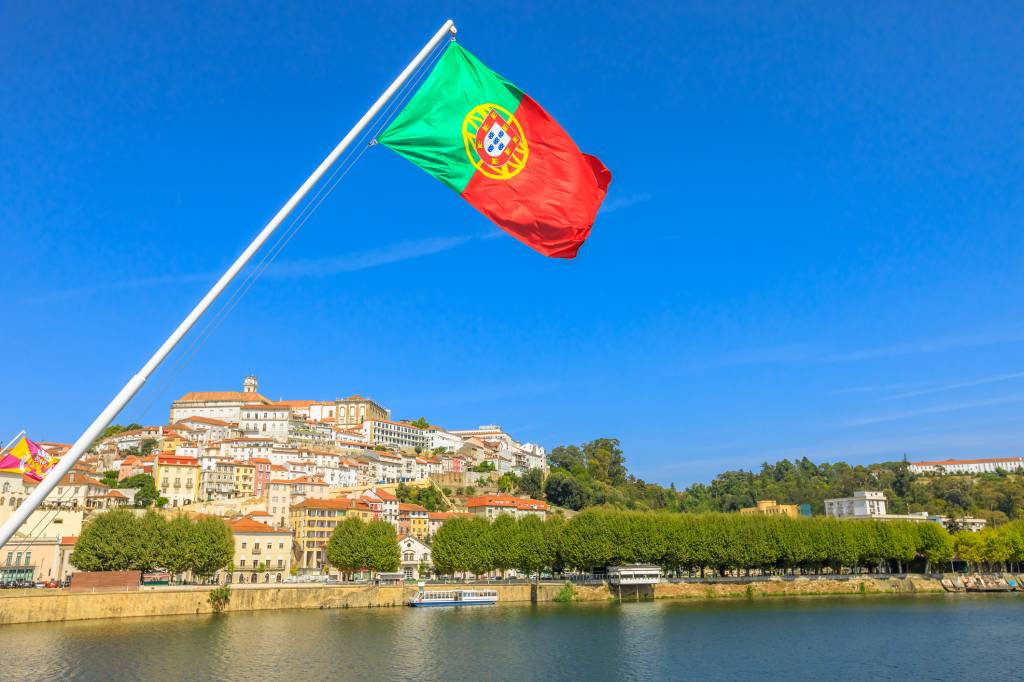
[
  {"x": 265, "y": 421},
  {"x": 969, "y": 523},
  {"x": 247, "y": 448},
  {"x": 339, "y": 477},
  {"x": 381, "y": 467},
  {"x": 413, "y": 554},
  {"x": 968, "y": 466},
  {"x": 440, "y": 438},
  {"x": 323, "y": 412},
  {"x": 863, "y": 504},
  {"x": 221, "y": 405},
  {"x": 395, "y": 435},
  {"x": 206, "y": 430}
]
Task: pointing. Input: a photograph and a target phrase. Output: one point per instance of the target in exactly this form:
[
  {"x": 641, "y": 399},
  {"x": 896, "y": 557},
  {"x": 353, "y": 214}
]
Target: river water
[{"x": 944, "y": 637}]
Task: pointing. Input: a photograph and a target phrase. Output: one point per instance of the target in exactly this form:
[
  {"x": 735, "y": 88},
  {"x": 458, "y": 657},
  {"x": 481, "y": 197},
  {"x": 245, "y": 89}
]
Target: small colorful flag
[
  {"x": 28, "y": 458},
  {"x": 484, "y": 138}
]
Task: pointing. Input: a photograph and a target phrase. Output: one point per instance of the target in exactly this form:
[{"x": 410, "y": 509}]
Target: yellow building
[
  {"x": 177, "y": 479},
  {"x": 262, "y": 554},
  {"x": 356, "y": 409},
  {"x": 772, "y": 508},
  {"x": 413, "y": 520},
  {"x": 245, "y": 479},
  {"x": 313, "y": 521}
]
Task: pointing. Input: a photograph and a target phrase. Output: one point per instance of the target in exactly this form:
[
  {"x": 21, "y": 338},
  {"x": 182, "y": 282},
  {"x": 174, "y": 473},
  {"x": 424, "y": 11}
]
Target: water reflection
[{"x": 858, "y": 638}]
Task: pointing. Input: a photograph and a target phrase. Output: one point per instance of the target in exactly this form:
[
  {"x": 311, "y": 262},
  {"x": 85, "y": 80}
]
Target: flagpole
[
  {"x": 13, "y": 441},
  {"x": 139, "y": 379}
]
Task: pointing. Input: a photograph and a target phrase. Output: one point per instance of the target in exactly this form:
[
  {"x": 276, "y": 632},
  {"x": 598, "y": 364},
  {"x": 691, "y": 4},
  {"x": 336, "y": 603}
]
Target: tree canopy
[
  {"x": 119, "y": 540},
  {"x": 355, "y": 545},
  {"x": 725, "y": 543}
]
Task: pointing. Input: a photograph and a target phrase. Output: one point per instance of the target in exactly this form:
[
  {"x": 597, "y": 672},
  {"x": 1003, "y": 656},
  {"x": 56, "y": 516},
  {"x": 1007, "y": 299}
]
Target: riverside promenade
[{"x": 39, "y": 606}]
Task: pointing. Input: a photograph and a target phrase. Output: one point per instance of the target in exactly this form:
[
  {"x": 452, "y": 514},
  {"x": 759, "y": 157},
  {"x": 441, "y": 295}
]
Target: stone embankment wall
[
  {"x": 38, "y": 606},
  {"x": 794, "y": 588}
]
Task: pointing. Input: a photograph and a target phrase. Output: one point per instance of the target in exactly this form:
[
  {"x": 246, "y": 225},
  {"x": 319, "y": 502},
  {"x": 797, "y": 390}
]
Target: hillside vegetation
[{"x": 595, "y": 473}]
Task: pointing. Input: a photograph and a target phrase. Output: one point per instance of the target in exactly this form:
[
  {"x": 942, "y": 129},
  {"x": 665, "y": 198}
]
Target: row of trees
[
  {"x": 356, "y": 545},
  {"x": 992, "y": 548},
  {"x": 119, "y": 541},
  {"x": 690, "y": 542}
]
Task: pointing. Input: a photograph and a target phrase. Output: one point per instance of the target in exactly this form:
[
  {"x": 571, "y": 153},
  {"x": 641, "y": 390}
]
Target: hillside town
[{"x": 282, "y": 474}]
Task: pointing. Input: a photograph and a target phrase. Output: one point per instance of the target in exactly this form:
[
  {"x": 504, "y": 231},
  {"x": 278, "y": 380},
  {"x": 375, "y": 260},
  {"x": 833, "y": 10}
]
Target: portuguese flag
[{"x": 482, "y": 137}]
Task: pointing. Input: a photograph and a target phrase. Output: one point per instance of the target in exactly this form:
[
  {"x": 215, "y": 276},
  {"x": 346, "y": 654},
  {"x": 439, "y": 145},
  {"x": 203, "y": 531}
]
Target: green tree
[
  {"x": 482, "y": 467},
  {"x": 451, "y": 546},
  {"x": 508, "y": 482},
  {"x": 176, "y": 556},
  {"x": 504, "y": 543},
  {"x": 213, "y": 546},
  {"x": 146, "y": 486},
  {"x": 536, "y": 551},
  {"x": 934, "y": 544},
  {"x": 108, "y": 542},
  {"x": 147, "y": 446},
  {"x": 347, "y": 549},
  {"x": 381, "y": 547},
  {"x": 605, "y": 460},
  {"x": 568, "y": 458},
  {"x": 564, "y": 490},
  {"x": 532, "y": 483},
  {"x": 151, "y": 536},
  {"x": 109, "y": 479},
  {"x": 421, "y": 423}
]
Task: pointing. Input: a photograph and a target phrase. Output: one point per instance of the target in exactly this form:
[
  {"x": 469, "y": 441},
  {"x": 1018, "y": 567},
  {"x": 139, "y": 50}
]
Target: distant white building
[
  {"x": 394, "y": 434},
  {"x": 962, "y": 523},
  {"x": 224, "y": 406},
  {"x": 440, "y": 438},
  {"x": 265, "y": 421},
  {"x": 863, "y": 504},
  {"x": 968, "y": 466}
]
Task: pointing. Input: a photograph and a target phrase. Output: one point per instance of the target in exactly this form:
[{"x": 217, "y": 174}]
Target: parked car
[{"x": 53, "y": 584}]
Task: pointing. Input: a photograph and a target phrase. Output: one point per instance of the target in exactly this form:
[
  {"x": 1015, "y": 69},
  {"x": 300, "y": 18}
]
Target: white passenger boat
[{"x": 454, "y": 597}]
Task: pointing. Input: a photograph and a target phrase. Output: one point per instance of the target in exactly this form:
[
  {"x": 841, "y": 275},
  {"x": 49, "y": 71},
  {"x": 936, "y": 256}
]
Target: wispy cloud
[
  {"x": 808, "y": 354},
  {"x": 883, "y": 388},
  {"x": 935, "y": 345},
  {"x": 311, "y": 267},
  {"x": 393, "y": 253},
  {"x": 619, "y": 203},
  {"x": 934, "y": 409},
  {"x": 958, "y": 385}
]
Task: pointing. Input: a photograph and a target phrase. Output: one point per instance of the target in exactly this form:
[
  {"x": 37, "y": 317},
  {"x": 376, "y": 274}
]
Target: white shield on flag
[{"x": 496, "y": 140}]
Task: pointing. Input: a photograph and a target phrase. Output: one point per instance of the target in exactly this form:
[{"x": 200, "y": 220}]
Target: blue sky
[{"x": 811, "y": 245}]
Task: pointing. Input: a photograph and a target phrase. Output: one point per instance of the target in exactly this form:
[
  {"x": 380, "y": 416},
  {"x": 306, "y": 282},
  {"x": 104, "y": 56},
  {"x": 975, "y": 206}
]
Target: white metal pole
[
  {"x": 136, "y": 382},
  {"x": 13, "y": 441}
]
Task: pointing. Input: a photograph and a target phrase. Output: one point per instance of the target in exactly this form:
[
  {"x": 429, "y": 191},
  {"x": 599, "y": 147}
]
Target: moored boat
[{"x": 454, "y": 597}]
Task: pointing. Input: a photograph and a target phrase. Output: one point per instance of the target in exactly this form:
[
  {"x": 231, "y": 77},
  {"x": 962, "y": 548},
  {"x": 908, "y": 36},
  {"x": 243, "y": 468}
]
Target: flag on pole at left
[
  {"x": 499, "y": 150},
  {"x": 28, "y": 458}
]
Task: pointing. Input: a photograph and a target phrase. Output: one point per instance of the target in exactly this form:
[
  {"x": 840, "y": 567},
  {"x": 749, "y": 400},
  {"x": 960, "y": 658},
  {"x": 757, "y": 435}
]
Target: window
[
  {"x": 17, "y": 561},
  {"x": 243, "y": 544},
  {"x": 241, "y": 563},
  {"x": 28, "y": 558},
  {"x": 10, "y": 555}
]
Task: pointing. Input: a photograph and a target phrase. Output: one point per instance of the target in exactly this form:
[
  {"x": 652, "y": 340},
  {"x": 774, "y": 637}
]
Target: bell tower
[{"x": 251, "y": 384}]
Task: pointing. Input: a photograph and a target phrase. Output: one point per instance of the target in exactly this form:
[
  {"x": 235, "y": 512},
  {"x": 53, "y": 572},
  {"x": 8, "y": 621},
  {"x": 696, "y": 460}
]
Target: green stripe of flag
[{"x": 428, "y": 131}]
